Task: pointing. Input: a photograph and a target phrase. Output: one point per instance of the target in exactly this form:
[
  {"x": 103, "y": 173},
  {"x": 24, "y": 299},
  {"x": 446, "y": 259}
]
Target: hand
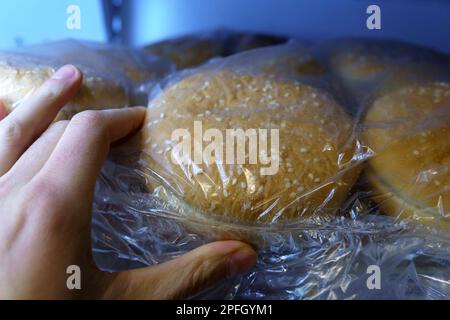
[{"x": 47, "y": 180}]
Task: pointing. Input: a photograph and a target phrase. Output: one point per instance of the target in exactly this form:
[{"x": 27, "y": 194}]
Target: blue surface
[
  {"x": 421, "y": 21},
  {"x": 25, "y": 22}
]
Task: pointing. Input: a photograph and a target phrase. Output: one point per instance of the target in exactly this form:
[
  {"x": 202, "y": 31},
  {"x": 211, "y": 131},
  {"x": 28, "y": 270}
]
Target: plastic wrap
[
  {"x": 378, "y": 195},
  {"x": 136, "y": 70},
  {"x": 193, "y": 50},
  {"x": 21, "y": 74}
]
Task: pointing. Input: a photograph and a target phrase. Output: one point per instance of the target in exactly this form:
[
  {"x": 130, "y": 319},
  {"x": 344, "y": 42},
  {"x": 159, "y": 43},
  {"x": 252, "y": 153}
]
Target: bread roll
[
  {"x": 368, "y": 67},
  {"x": 293, "y": 61},
  {"x": 21, "y": 75},
  {"x": 194, "y": 50},
  {"x": 186, "y": 52},
  {"x": 134, "y": 69},
  {"x": 409, "y": 131},
  {"x": 316, "y": 146},
  {"x": 241, "y": 41}
]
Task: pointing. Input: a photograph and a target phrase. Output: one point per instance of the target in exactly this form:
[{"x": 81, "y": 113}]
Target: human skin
[{"x": 47, "y": 180}]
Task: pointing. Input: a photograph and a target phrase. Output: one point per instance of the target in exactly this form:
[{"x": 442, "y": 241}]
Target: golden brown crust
[
  {"x": 409, "y": 129},
  {"x": 316, "y": 146},
  {"x": 20, "y": 77}
]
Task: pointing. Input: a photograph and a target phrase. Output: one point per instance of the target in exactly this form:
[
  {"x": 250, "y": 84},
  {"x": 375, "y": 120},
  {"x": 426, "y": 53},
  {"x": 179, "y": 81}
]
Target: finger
[
  {"x": 33, "y": 116},
  {"x": 185, "y": 275},
  {"x": 78, "y": 157},
  {"x": 37, "y": 154}
]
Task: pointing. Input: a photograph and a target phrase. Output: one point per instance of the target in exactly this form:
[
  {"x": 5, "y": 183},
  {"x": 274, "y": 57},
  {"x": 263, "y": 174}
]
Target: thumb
[{"x": 185, "y": 275}]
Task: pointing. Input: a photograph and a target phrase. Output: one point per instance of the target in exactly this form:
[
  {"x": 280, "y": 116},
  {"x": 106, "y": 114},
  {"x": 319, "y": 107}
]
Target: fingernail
[
  {"x": 66, "y": 72},
  {"x": 242, "y": 261}
]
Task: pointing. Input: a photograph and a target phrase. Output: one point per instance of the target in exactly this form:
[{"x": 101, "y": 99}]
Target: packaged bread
[
  {"x": 296, "y": 61},
  {"x": 409, "y": 129},
  {"x": 298, "y": 154},
  {"x": 243, "y": 41},
  {"x": 187, "y": 51},
  {"x": 21, "y": 74},
  {"x": 366, "y": 66},
  {"x": 135, "y": 69},
  {"x": 193, "y": 50}
]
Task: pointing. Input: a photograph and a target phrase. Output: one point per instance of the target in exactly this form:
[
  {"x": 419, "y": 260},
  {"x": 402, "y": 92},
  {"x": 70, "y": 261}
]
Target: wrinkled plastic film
[
  {"x": 113, "y": 76},
  {"x": 382, "y": 200}
]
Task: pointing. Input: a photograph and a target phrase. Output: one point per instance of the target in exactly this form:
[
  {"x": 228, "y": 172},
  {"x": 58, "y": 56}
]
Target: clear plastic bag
[
  {"x": 113, "y": 76},
  {"x": 22, "y": 73},
  {"x": 194, "y": 50},
  {"x": 137, "y": 71},
  {"x": 378, "y": 195}
]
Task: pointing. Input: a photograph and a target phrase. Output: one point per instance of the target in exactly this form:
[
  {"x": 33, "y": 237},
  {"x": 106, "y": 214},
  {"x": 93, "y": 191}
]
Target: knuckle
[
  {"x": 88, "y": 120},
  {"x": 11, "y": 130},
  {"x": 51, "y": 90}
]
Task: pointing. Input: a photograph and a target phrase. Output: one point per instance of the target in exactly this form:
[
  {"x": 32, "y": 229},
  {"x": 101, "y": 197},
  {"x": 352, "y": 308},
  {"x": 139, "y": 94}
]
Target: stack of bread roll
[
  {"x": 403, "y": 97},
  {"x": 329, "y": 112}
]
